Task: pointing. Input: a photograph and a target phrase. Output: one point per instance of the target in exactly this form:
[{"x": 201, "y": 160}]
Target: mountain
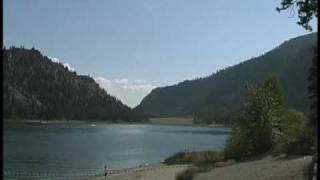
[
  {"x": 218, "y": 97},
  {"x": 35, "y": 87}
]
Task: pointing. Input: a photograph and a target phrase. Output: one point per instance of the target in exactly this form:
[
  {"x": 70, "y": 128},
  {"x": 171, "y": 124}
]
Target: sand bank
[
  {"x": 263, "y": 169},
  {"x": 155, "y": 172}
]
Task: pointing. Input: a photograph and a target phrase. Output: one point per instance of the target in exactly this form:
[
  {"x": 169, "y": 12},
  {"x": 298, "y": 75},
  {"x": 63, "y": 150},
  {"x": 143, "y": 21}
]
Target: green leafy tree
[
  {"x": 256, "y": 131},
  {"x": 295, "y": 138},
  {"x": 307, "y": 9}
]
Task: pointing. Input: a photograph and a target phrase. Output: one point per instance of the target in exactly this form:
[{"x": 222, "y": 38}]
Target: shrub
[
  {"x": 207, "y": 158},
  {"x": 237, "y": 145},
  {"x": 197, "y": 158},
  {"x": 178, "y": 158},
  {"x": 295, "y": 137},
  {"x": 187, "y": 174}
]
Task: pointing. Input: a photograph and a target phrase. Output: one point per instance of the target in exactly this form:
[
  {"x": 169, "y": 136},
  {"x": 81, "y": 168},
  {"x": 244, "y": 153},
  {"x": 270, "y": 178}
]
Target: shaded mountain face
[
  {"x": 34, "y": 87},
  {"x": 218, "y": 97}
]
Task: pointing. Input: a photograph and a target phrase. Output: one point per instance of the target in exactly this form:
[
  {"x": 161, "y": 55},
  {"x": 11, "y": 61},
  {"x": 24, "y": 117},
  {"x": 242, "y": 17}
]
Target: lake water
[{"x": 66, "y": 148}]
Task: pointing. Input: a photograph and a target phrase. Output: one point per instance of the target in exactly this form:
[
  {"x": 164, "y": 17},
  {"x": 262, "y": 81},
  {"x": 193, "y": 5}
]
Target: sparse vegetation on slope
[
  {"x": 217, "y": 98},
  {"x": 34, "y": 87}
]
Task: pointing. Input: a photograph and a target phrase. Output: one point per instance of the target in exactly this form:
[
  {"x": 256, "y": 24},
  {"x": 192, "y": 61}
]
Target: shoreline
[
  {"x": 141, "y": 172},
  {"x": 55, "y": 121},
  {"x": 42, "y": 121},
  {"x": 37, "y": 121},
  {"x": 152, "y": 171},
  {"x": 268, "y": 167},
  {"x": 183, "y": 121}
]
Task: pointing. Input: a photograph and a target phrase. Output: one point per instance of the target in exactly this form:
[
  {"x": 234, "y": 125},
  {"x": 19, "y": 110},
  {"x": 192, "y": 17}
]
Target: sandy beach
[
  {"x": 267, "y": 168},
  {"x": 262, "y": 169},
  {"x": 155, "y": 172}
]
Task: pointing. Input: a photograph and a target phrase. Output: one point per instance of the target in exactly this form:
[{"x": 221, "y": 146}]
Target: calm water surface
[{"x": 73, "y": 147}]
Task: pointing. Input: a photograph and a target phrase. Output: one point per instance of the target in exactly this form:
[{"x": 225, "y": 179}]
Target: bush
[
  {"x": 238, "y": 146},
  {"x": 178, "y": 158},
  {"x": 207, "y": 158},
  {"x": 187, "y": 174},
  {"x": 197, "y": 158},
  {"x": 295, "y": 137}
]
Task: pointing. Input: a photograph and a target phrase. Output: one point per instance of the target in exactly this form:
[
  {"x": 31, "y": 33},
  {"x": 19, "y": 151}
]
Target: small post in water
[{"x": 105, "y": 172}]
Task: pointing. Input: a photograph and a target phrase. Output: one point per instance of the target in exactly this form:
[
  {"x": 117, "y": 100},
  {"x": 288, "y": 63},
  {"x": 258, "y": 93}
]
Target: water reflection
[{"x": 68, "y": 147}]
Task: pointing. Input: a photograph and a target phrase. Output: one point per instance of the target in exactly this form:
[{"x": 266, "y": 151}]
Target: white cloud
[
  {"x": 67, "y": 65},
  {"x": 138, "y": 81},
  {"x": 56, "y": 60},
  {"x": 121, "y": 81},
  {"x": 128, "y": 91}
]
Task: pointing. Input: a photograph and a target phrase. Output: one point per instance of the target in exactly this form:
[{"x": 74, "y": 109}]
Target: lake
[{"x": 65, "y": 148}]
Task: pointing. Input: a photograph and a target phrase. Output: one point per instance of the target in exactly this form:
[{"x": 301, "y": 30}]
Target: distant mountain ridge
[
  {"x": 218, "y": 97},
  {"x": 35, "y": 87}
]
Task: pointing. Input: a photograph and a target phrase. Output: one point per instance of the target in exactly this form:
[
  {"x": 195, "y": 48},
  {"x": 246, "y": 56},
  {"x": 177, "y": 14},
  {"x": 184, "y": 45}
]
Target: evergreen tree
[{"x": 34, "y": 87}]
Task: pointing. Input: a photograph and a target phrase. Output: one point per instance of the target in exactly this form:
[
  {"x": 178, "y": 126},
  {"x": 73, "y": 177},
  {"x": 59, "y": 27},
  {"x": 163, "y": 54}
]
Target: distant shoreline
[
  {"x": 37, "y": 121},
  {"x": 170, "y": 121},
  {"x": 184, "y": 121},
  {"x": 41, "y": 121}
]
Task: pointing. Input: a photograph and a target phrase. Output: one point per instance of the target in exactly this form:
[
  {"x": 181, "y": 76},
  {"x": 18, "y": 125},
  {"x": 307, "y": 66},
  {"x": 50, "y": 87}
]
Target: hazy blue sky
[{"x": 132, "y": 46}]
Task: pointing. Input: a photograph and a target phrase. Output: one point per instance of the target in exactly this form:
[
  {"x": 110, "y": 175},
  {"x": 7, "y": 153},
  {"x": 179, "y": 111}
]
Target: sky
[{"x": 132, "y": 46}]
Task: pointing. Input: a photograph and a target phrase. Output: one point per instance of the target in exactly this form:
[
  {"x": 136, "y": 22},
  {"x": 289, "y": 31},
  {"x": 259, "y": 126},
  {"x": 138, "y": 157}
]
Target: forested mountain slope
[
  {"x": 34, "y": 87},
  {"x": 219, "y": 96}
]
